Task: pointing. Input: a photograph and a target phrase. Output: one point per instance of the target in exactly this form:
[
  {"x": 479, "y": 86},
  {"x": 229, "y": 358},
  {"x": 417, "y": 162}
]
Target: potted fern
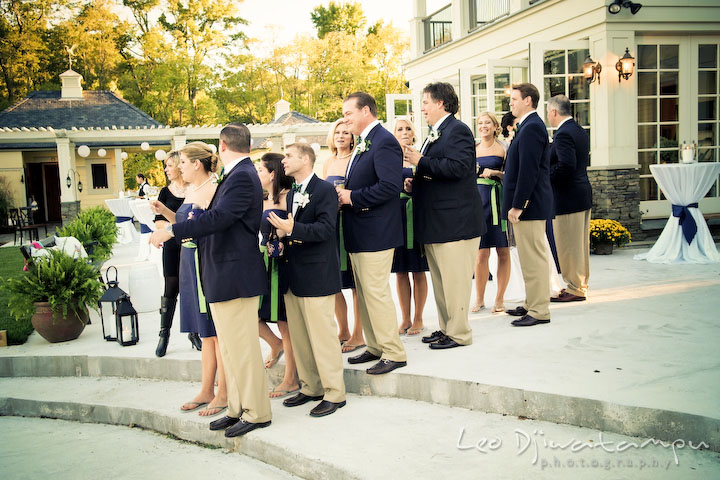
[{"x": 56, "y": 290}]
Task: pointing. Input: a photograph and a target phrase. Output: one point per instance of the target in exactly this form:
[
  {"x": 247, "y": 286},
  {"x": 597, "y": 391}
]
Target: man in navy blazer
[
  {"x": 572, "y": 195},
  {"x": 312, "y": 267},
  {"x": 527, "y": 203},
  {"x": 227, "y": 237},
  {"x": 448, "y": 212},
  {"x": 372, "y": 228}
]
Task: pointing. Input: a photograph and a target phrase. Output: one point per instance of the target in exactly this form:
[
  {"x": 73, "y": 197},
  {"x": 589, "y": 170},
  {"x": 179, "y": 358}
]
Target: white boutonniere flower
[
  {"x": 362, "y": 146},
  {"x": 303, "y": 198},
  {"x": 433, "y": 136},
  {"x": 218, "y": 178}
]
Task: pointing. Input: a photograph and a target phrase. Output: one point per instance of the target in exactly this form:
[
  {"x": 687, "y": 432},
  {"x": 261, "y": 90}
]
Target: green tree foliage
[
  {"x": 343, "y": 17},
  {"x": 189, "y": 63},
  {"x": 144, "y": 163}
]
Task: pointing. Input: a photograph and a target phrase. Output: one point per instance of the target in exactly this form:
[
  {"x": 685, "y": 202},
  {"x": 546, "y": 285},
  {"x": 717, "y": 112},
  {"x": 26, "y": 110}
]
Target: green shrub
[
  {"x": 6, "y": 199},
  {"x": 59, "y": 279},
  {"x": 11, "y": 266},
  {"x": 93, "y": 225}
]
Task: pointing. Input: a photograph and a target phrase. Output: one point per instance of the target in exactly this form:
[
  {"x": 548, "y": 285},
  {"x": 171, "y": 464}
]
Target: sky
[{"x": 281, "y": 20}]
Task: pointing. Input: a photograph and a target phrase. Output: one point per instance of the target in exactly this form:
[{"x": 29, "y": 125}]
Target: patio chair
[{"x": 20, "y": 226}]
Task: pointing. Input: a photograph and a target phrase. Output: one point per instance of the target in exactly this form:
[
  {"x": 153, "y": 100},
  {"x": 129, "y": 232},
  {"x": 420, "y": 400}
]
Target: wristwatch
[{"x": 168, "y": 228}]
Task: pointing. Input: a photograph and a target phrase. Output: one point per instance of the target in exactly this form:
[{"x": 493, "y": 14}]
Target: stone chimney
[
  {"x": 71, "y": 88},
  {"x": 281, "y": 108}
]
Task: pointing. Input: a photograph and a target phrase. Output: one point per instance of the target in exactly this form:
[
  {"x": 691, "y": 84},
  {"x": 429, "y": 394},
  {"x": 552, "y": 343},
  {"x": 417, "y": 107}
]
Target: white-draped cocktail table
[
  {"x": 120, "y": 207},
  {"x": 686, "y": 237}
]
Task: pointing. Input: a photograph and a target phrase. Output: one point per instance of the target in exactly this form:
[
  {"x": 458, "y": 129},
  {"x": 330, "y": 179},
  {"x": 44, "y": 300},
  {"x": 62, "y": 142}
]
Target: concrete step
[
  {"x": 371, "y": 437},
  {"x": 73, "y": 450},
  {"x": 662, "y": 424}
]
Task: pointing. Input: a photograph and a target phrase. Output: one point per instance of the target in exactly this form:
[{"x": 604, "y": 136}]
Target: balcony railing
[
  {"x": 486, "y": 11},
  {"x": 438, "y": 28}
]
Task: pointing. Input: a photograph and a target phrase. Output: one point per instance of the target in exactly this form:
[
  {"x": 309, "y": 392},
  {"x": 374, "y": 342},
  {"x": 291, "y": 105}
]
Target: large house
[{"x": 669, "y": 95}]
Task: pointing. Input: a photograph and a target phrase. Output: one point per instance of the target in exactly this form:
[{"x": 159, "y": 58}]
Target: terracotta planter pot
[
  {"x": 603, "y": 249},
  {"x": 56, "y": 329}
]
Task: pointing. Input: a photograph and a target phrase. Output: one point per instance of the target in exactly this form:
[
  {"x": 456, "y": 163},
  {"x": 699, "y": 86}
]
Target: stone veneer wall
[
  {"x": 616, "y": 196},
  {"x": 69, "y": 210}
]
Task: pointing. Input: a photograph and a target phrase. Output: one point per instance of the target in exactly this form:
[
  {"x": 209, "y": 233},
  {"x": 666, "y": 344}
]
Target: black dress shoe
[
  {"x": 517, "y": 311},
  {"x": 300, "y": 399},
  {"x": 326, "y": 408},
  {"x": 363, "y": 357},
  {"x": 243, "y": 427},
  {"x": 528, "y": 321},
  {"x": 223, "y": 423},
  {"x": 445, "y": 342},
  {"x": 433, "y": 337},
  {"x": 384, "y": 366}
]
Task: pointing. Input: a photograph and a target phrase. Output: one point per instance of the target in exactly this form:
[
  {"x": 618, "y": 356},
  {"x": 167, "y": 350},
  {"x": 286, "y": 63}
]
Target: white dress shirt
[
  {"x": 363, "y": 135},
  {"x": 436, "y": 128}
]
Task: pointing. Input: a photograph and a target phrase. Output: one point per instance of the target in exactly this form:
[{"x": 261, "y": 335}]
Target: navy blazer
[
  {"x": 569, "y": 159},
  {"x": 526, "y": 183},
  {"x": 446, "y": 203},
  {"x": 310, "y": 262},
  {"x": 231, "y": 265},
  {"x": 374, "y": 222}
]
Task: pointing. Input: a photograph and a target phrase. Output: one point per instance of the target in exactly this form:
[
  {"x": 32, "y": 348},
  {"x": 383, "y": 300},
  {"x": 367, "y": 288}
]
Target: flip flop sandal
[{"x": 197, "y": 405}]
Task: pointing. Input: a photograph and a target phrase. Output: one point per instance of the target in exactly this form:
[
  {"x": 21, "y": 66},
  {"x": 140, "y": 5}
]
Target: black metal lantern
[
  {"x": 126, "y": 321},
  {"x": 108, "y": 305}
]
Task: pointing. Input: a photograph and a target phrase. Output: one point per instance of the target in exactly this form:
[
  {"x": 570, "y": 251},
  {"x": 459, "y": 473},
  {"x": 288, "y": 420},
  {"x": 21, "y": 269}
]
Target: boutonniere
[
  {"x": 362, "y": 146},
  {"x": 218, "y": 177},
  {"x": 511, "y": 134},
  {"x": 303, "y": 198},
  {"x": 433, "y": 136}
]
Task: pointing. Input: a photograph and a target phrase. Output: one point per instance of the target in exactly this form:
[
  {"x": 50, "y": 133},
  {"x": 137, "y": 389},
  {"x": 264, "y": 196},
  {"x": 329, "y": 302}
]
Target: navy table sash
[
  {"x": 686, "y": 221},
  {"x": 122, "y": 219},
  {"x": 144, "y": 228}
]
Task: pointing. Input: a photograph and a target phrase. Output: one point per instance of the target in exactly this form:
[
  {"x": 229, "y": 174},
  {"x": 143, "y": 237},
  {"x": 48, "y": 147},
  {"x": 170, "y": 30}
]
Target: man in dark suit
[
  {"x": 527, "y": 202},
  {"x": 312, "y": 268},
  {"x": 372, "y": 228},
  {"x": 572, "y": 195},
  {"x": 448, "y": 212},
  {"x": 227, "y": 237}
]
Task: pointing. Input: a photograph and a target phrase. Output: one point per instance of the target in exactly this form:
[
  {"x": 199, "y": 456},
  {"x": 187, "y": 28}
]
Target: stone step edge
[
  {"x": 666, "y": 425},
  {"x": 186, "y": 429}
]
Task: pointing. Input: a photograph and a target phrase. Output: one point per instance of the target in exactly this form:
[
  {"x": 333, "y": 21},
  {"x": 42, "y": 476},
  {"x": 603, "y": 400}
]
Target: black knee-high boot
[
  {"x": 167, "y": 312},
  {"x": 195, "y": 341}
]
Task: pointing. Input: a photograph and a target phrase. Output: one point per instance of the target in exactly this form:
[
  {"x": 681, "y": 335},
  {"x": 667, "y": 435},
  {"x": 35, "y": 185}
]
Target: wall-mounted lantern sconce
[
  {"x": 625, "y": 65},
  {"x": 591, "y": 70},
  {"x": 75, "y": 176},
  {"x": 507, "y": 91},
  {"x": 618, "y": 5}
]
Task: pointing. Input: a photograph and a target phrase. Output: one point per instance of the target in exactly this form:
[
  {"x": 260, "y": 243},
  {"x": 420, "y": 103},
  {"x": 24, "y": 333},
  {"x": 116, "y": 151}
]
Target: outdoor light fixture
[
  {"x": 75, "y": 176},
  {"x": 507, "y": 90},
  {"x": 591, "y": 70},
  {"x": 83, "y": 151},
  {"x": 625, "y": 65},
  {"x": 115, "y": 307},
  {"x": 618, "y": 5},
  {"x": 102, "y": 152}
]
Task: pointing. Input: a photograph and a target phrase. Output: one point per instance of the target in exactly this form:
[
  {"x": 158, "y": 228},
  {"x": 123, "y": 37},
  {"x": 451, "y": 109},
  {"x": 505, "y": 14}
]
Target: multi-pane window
[
  {"x": 708, "y": 104},
  {"x": 658, "y": 112},
  {"x": 497, "y": 100},
  {"x": 563, "y": 74}
]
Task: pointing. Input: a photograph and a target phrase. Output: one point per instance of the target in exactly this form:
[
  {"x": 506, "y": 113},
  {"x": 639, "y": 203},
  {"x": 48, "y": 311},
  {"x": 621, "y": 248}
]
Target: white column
[
  {"x": 613, "y": 116},
  {"x": 417, "y": 28},
  {"x": 66, "y": 161},
  {"x": 119, "y": 171},
  {"x": 178, "y": 141},
  {"x": 459, "y": 13}
]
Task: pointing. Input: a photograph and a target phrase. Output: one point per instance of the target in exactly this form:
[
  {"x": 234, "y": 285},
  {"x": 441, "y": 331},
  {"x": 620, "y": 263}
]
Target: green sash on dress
[
  {"x": 202, "y": 304},
  {"x": 272, "y": 264},
  {"x": 495, "y": 196}
]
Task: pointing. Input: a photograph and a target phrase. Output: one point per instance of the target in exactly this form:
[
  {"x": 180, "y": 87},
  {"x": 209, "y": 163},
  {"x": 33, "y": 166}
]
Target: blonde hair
[
  {"x": 331, "y": 137},
  {"x": 494, "y": 121},
  {"x": 407, "y": 120},
  {"x": 200, "y": 151}
]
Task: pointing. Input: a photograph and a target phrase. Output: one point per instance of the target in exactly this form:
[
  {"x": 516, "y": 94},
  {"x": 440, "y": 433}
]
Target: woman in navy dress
[
  {"x": 409, "y": 258},
  {"x": 171, "y": 196},
  {"x": 197, "y": 162},
  {"x": 272, "y": 306},
  {"x": 342, "y": 143},
  {"x": 490, "y": 157}
]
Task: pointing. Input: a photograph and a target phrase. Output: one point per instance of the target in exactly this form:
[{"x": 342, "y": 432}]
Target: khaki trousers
[
  {"x": 315, "y": 346},
  {"x": 572, "y": 238},
  {"x": 530, "y": 238},
  {"x": 236, "y": 322},
  {"x": 451, "y": 270},
  {"x": 377, "y": 309}
]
